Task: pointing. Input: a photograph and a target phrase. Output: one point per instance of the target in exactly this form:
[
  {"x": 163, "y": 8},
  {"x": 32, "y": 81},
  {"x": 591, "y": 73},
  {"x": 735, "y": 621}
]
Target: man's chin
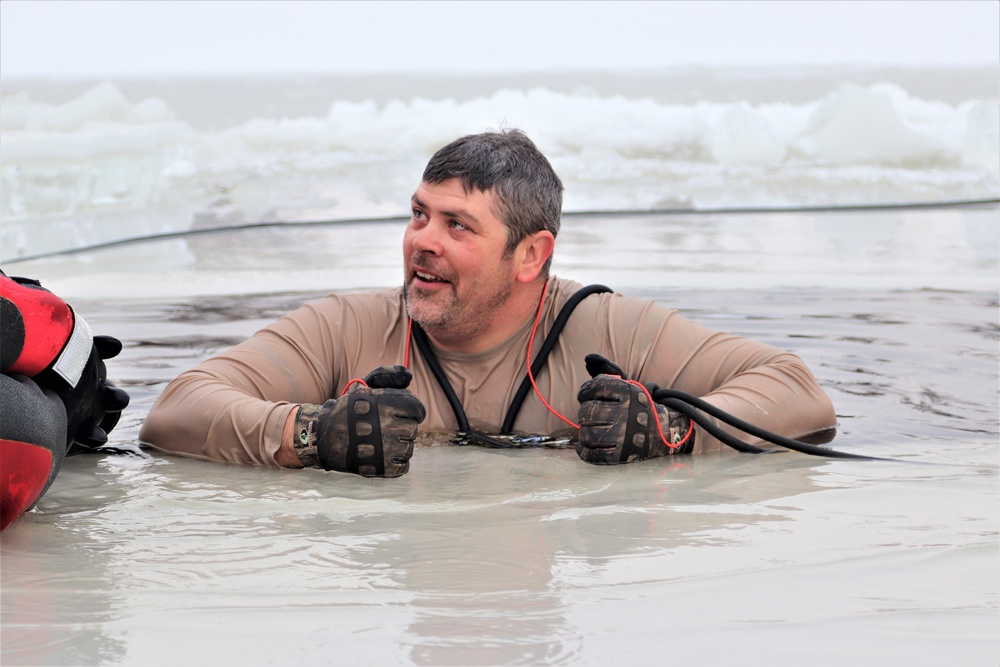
[{"x": 421, "y": 307}]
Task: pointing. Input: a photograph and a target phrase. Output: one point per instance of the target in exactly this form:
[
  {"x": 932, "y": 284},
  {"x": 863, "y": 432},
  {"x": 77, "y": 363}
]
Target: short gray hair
[{"x": 507, "y": 164}]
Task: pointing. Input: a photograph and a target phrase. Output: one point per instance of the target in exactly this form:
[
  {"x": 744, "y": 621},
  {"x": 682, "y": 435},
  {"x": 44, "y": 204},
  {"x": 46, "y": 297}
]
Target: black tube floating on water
[{"x": 739, "y": 210}]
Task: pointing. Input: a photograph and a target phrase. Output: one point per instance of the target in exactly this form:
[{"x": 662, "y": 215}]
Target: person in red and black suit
[{"x": 55, "y": 398}]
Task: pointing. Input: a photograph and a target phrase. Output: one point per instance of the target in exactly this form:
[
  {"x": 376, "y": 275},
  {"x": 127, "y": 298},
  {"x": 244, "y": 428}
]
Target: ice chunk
[
  {"x": 97, "y": 150},
  {"x": 862, "y": 125},
  {"x": 744, "y": 136},
  {"x": 981, "y": 148}
]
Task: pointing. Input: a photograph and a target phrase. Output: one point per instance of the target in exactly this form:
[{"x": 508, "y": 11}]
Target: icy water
[{"x": 484, "y": 557}]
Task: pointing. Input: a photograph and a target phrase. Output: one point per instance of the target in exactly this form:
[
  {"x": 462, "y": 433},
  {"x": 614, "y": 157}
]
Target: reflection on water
[{"x": 488, "y": 557}]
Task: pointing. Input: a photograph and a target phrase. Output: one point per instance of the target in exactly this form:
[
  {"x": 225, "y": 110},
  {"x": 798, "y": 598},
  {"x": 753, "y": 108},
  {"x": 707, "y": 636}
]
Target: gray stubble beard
[{"x": 445, "y": 327}]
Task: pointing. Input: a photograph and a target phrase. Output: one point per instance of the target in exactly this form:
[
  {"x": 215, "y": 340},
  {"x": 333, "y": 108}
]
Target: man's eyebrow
[{"x": 460, "y": 214}]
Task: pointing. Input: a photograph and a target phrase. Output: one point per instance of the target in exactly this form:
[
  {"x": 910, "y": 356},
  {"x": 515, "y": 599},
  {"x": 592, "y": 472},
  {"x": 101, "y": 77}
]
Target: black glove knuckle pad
[
  {"x": 616, "y": 424},
  {"x": 364, "y": 452},
  {"x": 369, "y": 432}
]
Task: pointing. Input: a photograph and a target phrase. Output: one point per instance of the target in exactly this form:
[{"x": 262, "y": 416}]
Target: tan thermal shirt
[{"x": 233, "y": 407}]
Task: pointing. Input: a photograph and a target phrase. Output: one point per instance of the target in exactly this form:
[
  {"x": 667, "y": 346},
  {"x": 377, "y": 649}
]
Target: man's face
[{"x": 456, "y": 272}]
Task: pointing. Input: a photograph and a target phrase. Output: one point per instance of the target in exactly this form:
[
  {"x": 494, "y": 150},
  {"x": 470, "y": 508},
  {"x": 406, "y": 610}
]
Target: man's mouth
[{"x": 429, "y": 278}]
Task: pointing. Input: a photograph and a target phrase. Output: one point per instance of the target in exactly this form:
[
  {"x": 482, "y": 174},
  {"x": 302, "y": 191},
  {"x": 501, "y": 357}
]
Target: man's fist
[
  {"x": 368, "y": 431},
  {"x": 619, "y": 424}
]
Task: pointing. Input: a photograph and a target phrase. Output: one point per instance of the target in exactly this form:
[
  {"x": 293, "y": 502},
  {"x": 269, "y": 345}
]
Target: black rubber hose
[
  {"x": 692, "y": 406},
  {"x": 424, "y": 345},
  {"x": 545, "y": 350}
]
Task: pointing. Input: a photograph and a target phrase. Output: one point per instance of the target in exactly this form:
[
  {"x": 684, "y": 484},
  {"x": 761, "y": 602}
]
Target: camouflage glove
[
  {"x": 617, "y": 423},
  {"x": 368, "y": 431}
]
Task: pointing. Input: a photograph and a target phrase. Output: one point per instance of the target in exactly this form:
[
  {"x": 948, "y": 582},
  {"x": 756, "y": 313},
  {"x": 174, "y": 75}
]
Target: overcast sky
[{"x": 150, "y": 38}]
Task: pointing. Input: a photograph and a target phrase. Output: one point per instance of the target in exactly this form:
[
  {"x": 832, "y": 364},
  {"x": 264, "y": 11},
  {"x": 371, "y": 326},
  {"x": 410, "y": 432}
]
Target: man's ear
[{"x": 534, "y": 252}]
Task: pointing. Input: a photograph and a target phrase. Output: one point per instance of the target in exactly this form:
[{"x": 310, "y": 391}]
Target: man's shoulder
[
  {"x": 367, "y": 304},
  {"x": 370, "y": 296},
  {"x": 613, "y": 304},
  {"x": 564, "y": 289}
]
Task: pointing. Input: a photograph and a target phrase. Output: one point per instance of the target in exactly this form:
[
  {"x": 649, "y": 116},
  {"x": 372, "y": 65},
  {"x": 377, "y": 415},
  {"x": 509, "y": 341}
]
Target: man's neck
[{"x": 511, "y": 316}]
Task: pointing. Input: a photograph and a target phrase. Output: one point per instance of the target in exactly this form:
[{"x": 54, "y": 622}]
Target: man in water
[{"x": 451, "y": 348}]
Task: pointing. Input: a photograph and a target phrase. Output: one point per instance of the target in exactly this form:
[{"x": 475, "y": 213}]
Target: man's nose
[{"x": 428, "y": 238}]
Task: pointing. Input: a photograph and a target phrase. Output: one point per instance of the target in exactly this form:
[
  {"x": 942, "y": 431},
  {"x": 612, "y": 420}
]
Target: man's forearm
[
  {"x": 200, "y": 416},
  {"x": 783, "y": 397}
]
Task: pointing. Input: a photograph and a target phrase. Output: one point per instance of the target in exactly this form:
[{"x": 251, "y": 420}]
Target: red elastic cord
[
  {"x": 656, "y": 416},
  {"x": 406, "y": 353},
  {"x": 531, "y": 340},
  {"x": 406, "y": 360},
  {"x": 352, "y": 382}
]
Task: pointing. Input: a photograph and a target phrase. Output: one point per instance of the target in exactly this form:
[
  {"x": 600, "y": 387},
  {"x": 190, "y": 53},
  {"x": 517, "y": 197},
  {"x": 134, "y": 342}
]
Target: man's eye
[
  {"x": 418, "y": 214},
  {"x": 455, "y": 224}
]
